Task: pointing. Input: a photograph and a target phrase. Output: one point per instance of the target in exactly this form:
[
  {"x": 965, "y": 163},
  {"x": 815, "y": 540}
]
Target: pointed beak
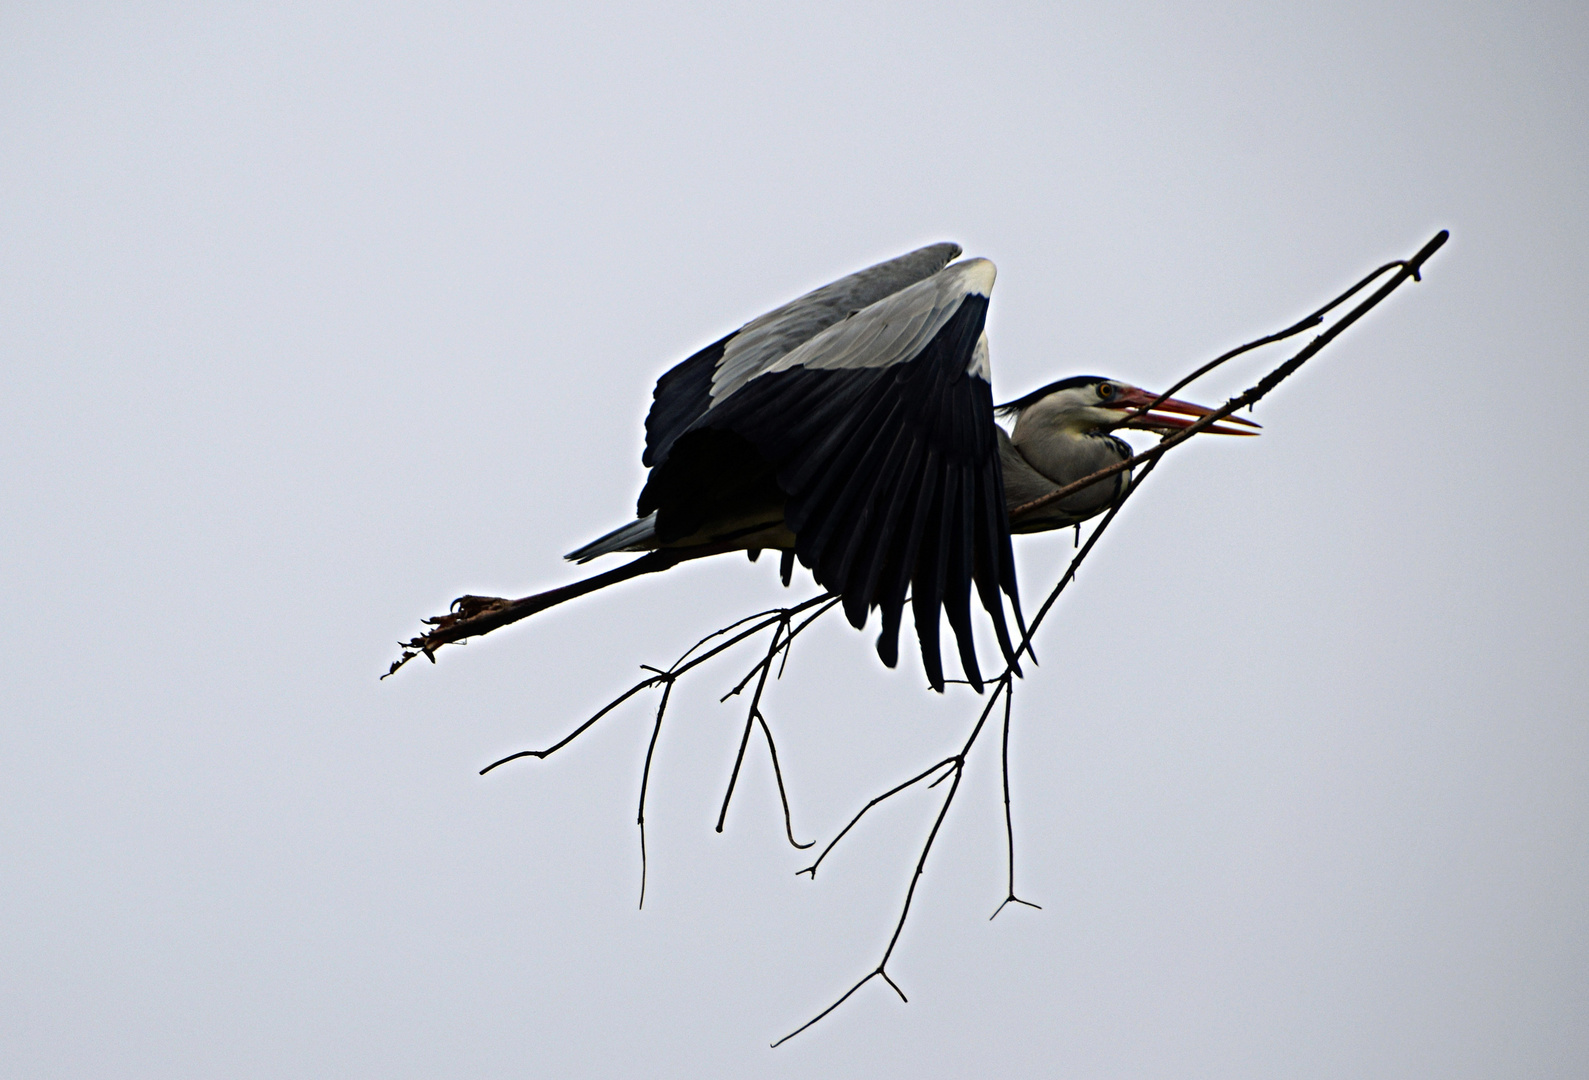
[{"x": 1172, "y": 415}]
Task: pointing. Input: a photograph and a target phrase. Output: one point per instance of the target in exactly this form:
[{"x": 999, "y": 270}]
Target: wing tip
[{"x": 977, "y": 276}]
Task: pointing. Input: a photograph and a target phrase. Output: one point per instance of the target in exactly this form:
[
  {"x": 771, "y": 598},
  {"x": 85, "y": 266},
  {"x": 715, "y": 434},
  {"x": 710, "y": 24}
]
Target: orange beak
[{"x": 1172, "y": 415}]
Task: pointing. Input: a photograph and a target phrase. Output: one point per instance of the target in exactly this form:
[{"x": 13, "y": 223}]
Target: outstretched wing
[
  {"x": 684, "y": 394},
  {"x": 879, "y": 432}
]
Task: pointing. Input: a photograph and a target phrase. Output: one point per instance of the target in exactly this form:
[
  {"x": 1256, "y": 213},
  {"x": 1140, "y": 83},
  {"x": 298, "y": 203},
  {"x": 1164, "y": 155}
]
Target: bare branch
[
  {"x": 1306, "y": 323},
  {"x": 889, "y": 794},
  {"x": 842, "y": 999},
  {"x": 1409, "y": 269},
  {"x": 644, "y": 684},
  {"x": 645, "y": 782},
  {"x": 910, "y": 894},
  {"x": 680, "y": 667},
  {"x": 783, "y": 796},
  {"x": 782, "y": 642},
  {"x": 751, "y": 716},
  {"x": 1009, "y": 825}
]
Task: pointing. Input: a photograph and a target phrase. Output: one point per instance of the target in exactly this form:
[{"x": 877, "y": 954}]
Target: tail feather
[{"x": 639, "y": 535}]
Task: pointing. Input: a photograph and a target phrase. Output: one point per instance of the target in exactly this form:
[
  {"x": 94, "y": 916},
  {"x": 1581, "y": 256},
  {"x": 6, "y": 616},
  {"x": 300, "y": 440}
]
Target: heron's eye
[{"x": 1106, "y": 390}]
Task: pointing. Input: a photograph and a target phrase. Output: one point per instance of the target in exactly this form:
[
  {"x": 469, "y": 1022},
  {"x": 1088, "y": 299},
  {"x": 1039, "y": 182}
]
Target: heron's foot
[
  {"x": 449, "y": 627},
  {"x": 468, "y": 607}
]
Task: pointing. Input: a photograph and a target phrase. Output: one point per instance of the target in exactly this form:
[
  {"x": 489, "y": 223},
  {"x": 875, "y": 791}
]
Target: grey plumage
[
  {"x": 762, "y": 342},
  {"x": 854, "y": 427},
  {"x": 891, "y": 330}
]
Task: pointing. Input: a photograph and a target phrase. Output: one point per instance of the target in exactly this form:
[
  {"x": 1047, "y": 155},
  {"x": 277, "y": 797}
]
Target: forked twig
[
  {"x": 686, "y": 663},
  {"x": 784, "y": 633},
  {"x": 1009, "y": 825},
  {"x": 884, "y": 797},
  {"x": 955, "y": 765},
  {"x": 782, "y": 639}
]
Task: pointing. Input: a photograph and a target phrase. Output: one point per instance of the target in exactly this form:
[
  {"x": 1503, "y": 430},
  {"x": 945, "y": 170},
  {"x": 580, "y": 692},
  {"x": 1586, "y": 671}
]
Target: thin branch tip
[{"x": 842, "y": 999}]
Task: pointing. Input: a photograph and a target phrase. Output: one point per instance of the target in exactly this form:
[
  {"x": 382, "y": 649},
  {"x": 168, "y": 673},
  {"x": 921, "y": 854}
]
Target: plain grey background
[{"x": 315, "y": 316}]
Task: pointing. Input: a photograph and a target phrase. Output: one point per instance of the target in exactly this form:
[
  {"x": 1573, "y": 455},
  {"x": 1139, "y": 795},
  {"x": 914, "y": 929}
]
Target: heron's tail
[{"x": 639, "y": 535}]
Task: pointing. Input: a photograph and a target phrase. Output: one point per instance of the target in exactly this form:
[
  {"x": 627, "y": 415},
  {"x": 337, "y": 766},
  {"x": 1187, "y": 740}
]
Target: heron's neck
[{"x": 1067, "y": 456}]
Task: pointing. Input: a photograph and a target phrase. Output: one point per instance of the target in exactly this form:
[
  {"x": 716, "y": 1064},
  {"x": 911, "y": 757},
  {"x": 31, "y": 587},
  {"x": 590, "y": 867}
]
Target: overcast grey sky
[{"x": 315, "y": 316}]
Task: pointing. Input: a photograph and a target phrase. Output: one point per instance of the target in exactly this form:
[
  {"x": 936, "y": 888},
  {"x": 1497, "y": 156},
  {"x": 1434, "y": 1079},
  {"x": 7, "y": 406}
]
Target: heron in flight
[{"x": 854, "y": 430}]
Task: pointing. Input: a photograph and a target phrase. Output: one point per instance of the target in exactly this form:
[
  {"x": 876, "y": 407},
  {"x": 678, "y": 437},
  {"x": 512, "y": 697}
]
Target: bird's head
[{"x": 1087, "y": 404}]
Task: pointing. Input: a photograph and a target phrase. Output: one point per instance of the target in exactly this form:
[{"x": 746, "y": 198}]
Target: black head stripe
[{"x": 1010, "y": 407}]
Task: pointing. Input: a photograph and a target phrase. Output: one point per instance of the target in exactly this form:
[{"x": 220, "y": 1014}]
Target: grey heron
[{"x": 854, "y": 430}]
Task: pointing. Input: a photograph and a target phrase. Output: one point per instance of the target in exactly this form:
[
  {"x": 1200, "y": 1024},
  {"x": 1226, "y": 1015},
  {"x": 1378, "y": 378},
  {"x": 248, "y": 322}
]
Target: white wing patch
[
  {"x": 891, "y": 331},
  {"x": 980, "y": 366}
]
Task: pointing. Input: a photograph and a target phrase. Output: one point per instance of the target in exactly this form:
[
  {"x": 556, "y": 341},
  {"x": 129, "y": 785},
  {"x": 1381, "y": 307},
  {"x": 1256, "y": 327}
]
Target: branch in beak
[{"x": 1172, "y": 414}]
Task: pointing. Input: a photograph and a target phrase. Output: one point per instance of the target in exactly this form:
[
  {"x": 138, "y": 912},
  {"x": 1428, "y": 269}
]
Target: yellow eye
[{"x": 1106, "y": 390}]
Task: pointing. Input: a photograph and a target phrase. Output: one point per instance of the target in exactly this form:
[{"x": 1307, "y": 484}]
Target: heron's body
[
  {"x": 854, "y": 429},
  {"x": 754, "y": 515}
]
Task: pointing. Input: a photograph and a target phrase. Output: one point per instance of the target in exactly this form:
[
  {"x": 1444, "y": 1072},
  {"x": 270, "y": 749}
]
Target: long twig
[
  {"x": 645, "y": 782},
  {"x": 1306, "y": 323},
  {"x": 1410, "y": 269},
  {"x": 1009, "y": 824},
  {"x": 783, "y": 795},
  {"x": 751, "y": 716},
  {"x": 472, "y": 616}
]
